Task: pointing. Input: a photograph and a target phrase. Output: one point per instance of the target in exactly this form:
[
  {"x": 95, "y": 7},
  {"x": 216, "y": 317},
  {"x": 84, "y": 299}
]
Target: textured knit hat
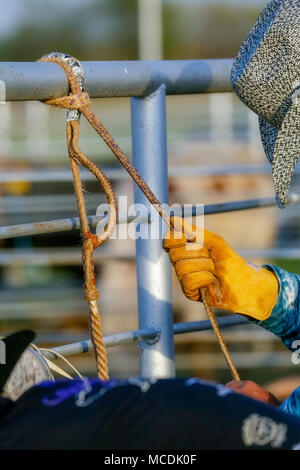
[
  {"x": 266, "y": 77},
  {"x": 12, "y": 347}
]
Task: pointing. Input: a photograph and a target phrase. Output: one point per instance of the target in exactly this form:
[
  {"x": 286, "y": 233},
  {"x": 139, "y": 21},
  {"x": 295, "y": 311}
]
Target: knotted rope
[{"x": 77, "y": 102}]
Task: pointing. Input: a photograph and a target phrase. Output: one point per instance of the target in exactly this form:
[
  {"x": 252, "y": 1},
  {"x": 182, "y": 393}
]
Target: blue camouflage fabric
[{"x": 284, "y": 322}]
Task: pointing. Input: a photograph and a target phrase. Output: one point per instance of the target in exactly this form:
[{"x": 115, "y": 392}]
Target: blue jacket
[{"x": 285, "y": 323}]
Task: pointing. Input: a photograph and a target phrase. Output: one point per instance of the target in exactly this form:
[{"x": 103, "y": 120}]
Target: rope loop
[
  {"x": 78, "y": 102},
  {"x": 75, "y": 103}
]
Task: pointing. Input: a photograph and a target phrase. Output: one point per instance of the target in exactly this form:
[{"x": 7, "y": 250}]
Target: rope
[
  {"x": 79, "y": 101},
  {"x": 214, "y": 324},
  {"x": 55, "y": 367}
]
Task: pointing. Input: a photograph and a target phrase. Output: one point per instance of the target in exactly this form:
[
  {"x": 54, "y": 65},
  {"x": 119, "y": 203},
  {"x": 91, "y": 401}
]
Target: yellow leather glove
[{"x": 231, "y": 282}]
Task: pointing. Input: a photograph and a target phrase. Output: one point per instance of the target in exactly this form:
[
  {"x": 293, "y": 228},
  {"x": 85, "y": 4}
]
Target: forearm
[{"x": 284, "y": 320}]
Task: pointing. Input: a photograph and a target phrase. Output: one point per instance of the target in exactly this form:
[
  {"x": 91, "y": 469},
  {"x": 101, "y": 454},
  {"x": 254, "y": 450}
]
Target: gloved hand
[{"x": 232, "y": 283}]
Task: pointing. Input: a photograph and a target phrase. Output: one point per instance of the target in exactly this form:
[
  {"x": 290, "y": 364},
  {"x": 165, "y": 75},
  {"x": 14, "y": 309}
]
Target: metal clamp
[{"x": 77, "y": 69}]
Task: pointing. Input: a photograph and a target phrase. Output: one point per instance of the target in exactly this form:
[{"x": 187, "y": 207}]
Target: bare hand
[{"x": 251, "y": 389}]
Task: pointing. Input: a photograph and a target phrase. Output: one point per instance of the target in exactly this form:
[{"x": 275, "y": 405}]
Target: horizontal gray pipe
[
  {"x": 73, "y": 257},
  {"x": 54, "y": 226},
  {"x": 149, "y": 334},
  {"x": 41, "y": 81},
  {"x": 65, "y": 176},
  {"x": 62, "y": 225}
]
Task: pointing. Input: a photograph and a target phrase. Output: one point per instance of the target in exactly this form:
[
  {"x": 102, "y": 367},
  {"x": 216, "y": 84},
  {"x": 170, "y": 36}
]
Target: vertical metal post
[
  {"x": 254, "y": 142},
  {"x": 221, "y": 118},
  {"x": 37, "y": 129},
  {"x": 5, "y": 126},
  {"x": 149, "y": 146},
  {"x": 150, "y": 29}
]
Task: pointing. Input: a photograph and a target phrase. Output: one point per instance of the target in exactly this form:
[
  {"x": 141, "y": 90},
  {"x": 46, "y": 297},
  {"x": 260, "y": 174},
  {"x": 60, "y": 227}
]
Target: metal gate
[{"x": 147, "y": 83}]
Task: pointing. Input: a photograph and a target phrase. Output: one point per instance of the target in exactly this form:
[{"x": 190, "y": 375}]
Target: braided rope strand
[{"x": 214, "y": 324}]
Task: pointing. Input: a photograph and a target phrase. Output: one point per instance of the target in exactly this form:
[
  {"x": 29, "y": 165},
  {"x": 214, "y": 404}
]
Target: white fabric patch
[{"x": 261, "y": 431}]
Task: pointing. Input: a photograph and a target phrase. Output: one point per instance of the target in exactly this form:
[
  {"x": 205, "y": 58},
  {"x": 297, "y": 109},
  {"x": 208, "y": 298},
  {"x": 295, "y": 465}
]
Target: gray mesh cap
[{"x": 266, "y": 77}]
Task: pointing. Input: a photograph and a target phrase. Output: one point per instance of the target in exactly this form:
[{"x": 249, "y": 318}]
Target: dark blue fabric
[{"x": 179, "y": 414}]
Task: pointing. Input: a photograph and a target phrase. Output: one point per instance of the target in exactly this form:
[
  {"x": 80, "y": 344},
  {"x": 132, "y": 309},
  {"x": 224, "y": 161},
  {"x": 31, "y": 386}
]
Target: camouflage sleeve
[
  {"x": 284, "y": 320},
  {"x": 292, "y": 404}
]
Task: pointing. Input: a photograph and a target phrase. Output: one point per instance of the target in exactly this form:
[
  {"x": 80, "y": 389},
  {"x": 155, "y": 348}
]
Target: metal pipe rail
[
  {"x": 54, "y": 226},
  {"x": 61, "y": 175},
  {"x": 73, "y": 223},
  {"x": 43, "y": 81},
  {"x": 72, "y": 257},
  {"x": 147, "y": 83},
  {"x": 148, "y": 335}
]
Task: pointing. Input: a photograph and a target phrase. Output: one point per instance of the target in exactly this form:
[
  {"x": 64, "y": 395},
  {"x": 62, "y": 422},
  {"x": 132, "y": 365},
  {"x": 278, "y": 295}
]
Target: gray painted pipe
[
  {"x": 41, "y": 81},
  {"x": 147, "y": 334}
]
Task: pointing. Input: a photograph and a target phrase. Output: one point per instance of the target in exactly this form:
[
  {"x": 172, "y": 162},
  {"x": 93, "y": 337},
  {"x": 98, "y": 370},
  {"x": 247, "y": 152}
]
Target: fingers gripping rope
[{"x": 78, "y": 102}]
